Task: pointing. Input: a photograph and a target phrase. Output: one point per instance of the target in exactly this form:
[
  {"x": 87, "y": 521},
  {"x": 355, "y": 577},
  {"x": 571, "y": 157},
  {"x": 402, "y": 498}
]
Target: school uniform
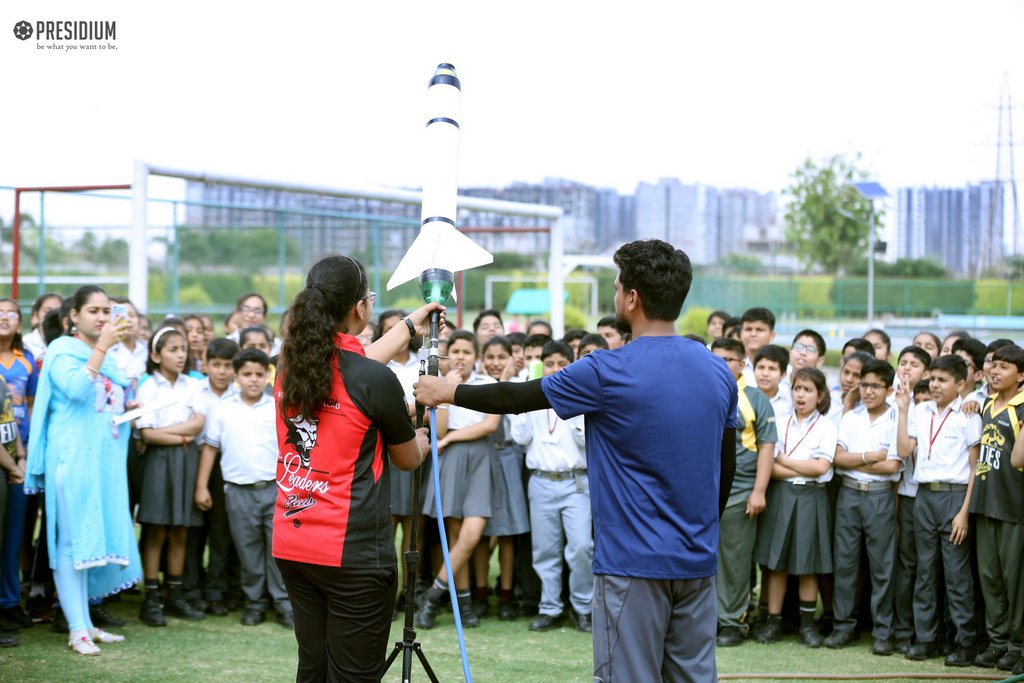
[
  {"x": 222, "y": 566},
  {"x": 561, "y": 520},
  {"x": 131, "y": 361},
  {"x": 748, "y": 372},
  {"x": 997, "y": 501},
  {"x": 782, "y": 403},
  {"x": 756, "y": 425},
  {"x": 247, "y": 439},
  {"x": 465, "y": 467},
  {"x": 905, "y": 573},
  {"x": 510, "y": 512},
  {"x": 401, "y": 482},
  {"x": 169, "y": 472},
  {"x": 794, "y": 531},
  {"x": 34, "y": 343},
  {"x": 866, "y": 512},
  {"x": 942, "y": 472}
]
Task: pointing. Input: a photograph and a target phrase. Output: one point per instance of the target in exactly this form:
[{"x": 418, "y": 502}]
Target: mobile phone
[{"x": 119, "y": 313}]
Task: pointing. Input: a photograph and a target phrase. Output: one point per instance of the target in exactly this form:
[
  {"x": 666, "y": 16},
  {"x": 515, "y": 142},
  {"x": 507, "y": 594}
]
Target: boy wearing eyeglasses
[{"x": 866, "y": 508}]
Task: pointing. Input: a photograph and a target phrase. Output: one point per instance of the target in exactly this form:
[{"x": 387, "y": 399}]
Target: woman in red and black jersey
[{"x": 339, "y": 411}]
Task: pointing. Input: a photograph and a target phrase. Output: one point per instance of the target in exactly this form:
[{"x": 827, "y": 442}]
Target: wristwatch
[{"x": 412, "y": 328}]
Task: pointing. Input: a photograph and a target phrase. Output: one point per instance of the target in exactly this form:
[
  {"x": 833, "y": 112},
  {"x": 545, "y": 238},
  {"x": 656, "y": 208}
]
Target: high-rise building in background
[
  {"x": 685, "y": 216},
  {"x": 748, "y": 224},
  {"x": 961, "y": 228},
  {"x": 595, "y": 220},
  {"x": 707, "y": 223}
]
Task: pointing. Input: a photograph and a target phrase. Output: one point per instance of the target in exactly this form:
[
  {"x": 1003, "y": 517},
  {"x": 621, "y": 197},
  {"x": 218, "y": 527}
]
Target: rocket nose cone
[{"x": 445, "y": 73}]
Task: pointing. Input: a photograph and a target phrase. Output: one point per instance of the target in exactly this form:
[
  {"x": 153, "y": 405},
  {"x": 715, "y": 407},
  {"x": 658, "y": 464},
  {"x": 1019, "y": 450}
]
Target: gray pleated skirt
[
  {"x": 465, "y": 476},
  {"x": 169, "y": 486},
  {"x": 401, "y": 488},
  {"x": 793, "y": 533},
  {"x": 511, "y": 516}
]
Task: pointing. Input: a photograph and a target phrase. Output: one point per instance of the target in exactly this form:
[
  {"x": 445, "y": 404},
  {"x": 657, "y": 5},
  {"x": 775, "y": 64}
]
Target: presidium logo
[{"x": 84, "y": 35}]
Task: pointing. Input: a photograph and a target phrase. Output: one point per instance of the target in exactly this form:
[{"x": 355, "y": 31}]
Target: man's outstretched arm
[{"x": 500, "y": 398}]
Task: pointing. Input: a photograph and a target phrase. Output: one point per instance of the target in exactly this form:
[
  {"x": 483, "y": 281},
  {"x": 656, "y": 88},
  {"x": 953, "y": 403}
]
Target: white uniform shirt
[
  {"x": 812, "y": 439},
  {"x": 858, "y": 434},
  {"x": 131, "y": 362},
  {"x": 944, "y": 442},
  {"x": 407, "y": 373},
  {"x": 204, "y": 402},
  {"x": 247, "y": 438},
  {"x": 748, "y": 372},
  {"x": 34, "y": 343},
  {"x": 459, "y": 417},
  {"x": 835, "y": 410},
  {"x": 782, "y": 404},
  {"x": 907, "y": 486},
  {"x": 552, "y": 444},
  {"x": 157, "y": 389}
]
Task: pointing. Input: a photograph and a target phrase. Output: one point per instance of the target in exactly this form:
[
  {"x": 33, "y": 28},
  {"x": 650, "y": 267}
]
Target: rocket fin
[{"x": 439, "y": 245}]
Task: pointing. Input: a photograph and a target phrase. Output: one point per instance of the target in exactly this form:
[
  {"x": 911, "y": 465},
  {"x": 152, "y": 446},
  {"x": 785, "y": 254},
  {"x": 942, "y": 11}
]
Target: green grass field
[{"x": 219, "y": 648}]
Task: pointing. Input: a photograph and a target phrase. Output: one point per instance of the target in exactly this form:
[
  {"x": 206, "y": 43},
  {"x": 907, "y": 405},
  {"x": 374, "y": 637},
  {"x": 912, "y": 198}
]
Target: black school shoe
[
  {"x": 18, "y": 615},
  {"x": 217, "y": 608},
  {"x": 151, "y": 613},
  {"x": 287, "y": 620},
  {"x": 770, "y": 633},
  {"x": 8, "y": 640},
  {"x": 1018, "y": 668},
  {"x": 731, "y": 636},
  {"x": 919, "y": 652},
  {"x": 584, "y": 623},
  {"x": 545, "y": 622},
  {"x": 183, "y": 609},
  {"x": 1009, "y": 660},
  {"x": 101, "y": 618},
  {"x": 59, "y": 623},
  {"x": 253, "y": 617},
  {"x": 989, "y": 657},
  {"x": 961, "y": 656},
  {"x": 507, "y": 610},
  {"x": 809, "y": 637},
  {"x": 882, "y": 647},
  {"x": 839, "y": 639},
  {"x": 902, "y": 646}
]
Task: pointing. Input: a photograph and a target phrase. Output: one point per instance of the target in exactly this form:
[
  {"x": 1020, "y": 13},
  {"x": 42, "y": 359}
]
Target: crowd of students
[
  {"x": 896, "y": 497},
  {"x": 199, "y": 462}
]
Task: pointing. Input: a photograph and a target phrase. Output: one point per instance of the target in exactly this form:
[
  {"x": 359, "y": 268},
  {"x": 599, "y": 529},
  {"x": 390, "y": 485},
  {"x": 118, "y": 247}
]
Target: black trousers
[{"x": 342, "y": 620}]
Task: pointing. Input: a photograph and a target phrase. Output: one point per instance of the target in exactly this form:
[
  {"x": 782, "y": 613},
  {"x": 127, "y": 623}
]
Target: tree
[{"x": 816, "y": 221}]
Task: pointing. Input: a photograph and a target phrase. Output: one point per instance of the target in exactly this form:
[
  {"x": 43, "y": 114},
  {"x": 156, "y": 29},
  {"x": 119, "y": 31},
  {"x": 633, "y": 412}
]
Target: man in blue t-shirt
[{"x": 660, "y": 418}]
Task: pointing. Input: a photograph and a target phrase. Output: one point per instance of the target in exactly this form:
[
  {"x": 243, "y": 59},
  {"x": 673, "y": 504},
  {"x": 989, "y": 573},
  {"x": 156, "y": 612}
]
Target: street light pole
[{"x": 871, "y": 266}]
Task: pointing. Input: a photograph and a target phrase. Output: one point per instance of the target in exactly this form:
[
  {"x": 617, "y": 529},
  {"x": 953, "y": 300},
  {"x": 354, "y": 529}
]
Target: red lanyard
[
  {"x": 932, "y": 436},
  {"x": 785, "y": 440},
  {"x": 551, "y": 427}
]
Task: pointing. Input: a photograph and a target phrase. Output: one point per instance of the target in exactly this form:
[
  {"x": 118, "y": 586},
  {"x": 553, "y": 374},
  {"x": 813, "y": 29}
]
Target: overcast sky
[{"x": 734, "y": 94}]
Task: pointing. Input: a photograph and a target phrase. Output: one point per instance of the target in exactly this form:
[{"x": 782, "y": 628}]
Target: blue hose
[{"x": 444, "y": 548}]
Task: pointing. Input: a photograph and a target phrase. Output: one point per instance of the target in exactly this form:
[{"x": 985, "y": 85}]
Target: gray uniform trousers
[
  {"x": 871, "y": 516},
  {"x": 736, "y": 537},
  {"x": 933, "y": 524},
  {"x": 649, "y": 630},
  {"x": 1000, "y": 556},
  {"x": 906, "y": 570},
  {"x": 251, "y": 513},
  {"x": 560, "y": 518}
]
